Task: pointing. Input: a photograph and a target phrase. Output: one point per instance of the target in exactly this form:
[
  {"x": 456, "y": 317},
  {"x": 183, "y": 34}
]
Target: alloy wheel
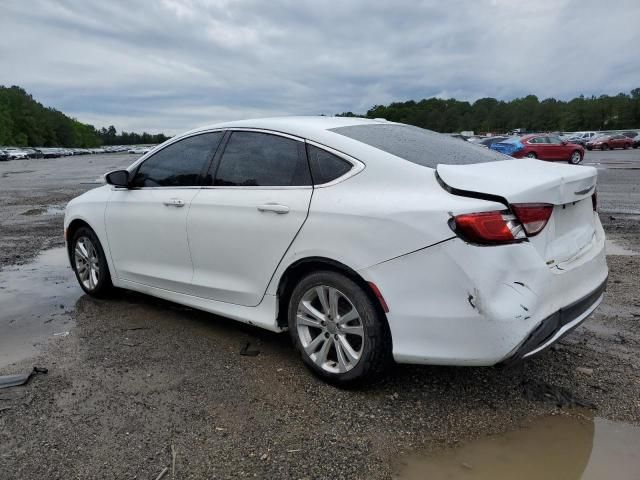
[
  {"x": 87, "y": 263},
  {"x": 575, "y": 157},
  {"x": 330, "y": 329}
]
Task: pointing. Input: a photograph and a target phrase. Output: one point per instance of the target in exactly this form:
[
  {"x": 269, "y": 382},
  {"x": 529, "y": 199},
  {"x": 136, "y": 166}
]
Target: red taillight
[
  {"x": 488, "y": 228},
  {"x": 498, "y": 227},
  {"x": 594, "y": 201},
  {"x": 533, "y": 216}
]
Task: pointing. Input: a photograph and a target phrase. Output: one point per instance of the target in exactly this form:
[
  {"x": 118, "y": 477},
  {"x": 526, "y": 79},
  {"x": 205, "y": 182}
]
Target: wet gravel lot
[{"x": 136, "y": 384}]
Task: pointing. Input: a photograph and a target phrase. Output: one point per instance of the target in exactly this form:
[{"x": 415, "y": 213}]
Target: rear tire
[
  {"x": 531, "y": 155},
  {"x": 576, "y": 158},
  {"x": 605, "y": 146},
  {"x": 90, "y": 264},
  {"x": 338, "y": 329}
]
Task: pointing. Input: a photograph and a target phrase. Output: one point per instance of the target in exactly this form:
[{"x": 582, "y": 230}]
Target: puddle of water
[
  {"x": 612, "y": 248},
  {"x": 555, "y": 447},
  {"x": 54, "y": 210},
  {"x": 35, "y": 300}
]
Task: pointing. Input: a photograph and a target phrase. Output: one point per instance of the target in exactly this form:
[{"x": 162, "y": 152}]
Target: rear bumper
[
  {"x": 557, "y": 325},
  {"x": 460, "y": 304}
]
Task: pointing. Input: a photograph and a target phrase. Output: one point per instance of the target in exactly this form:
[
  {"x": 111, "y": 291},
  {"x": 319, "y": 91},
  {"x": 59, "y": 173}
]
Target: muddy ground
[{"x": 138, "y": 384}]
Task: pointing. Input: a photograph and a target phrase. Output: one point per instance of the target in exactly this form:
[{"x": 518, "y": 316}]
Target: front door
[
  {"x": 147, "y": 223},
  {"x": 241, "y": 226}
]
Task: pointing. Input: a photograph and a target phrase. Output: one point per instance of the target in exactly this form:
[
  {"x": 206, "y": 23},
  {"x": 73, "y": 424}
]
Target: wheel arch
[
  {"x": 70, "y": 231},
  {"x": 301, "y": 267}
]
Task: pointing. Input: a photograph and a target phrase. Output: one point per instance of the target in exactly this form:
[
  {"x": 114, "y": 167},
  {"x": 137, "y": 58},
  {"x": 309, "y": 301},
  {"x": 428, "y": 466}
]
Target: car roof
[
  {"x": 301, "y": 126},
  {"x": 533, "y": 135}
]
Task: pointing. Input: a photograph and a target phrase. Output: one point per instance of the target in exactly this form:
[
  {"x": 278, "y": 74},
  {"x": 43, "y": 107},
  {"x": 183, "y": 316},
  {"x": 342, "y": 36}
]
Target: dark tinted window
[
  {"x": 260, "y": 159},
  {"x": 326, "y": 166},
  {"x": 418, "y": 145},
  {"x": 180, "y": 164}
]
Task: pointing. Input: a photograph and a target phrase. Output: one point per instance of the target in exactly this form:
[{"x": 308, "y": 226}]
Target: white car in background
[
  {"x": 139, "y": 150},
  {"x": 367, "y": 240},
  {"x": 16, "y": 153}
]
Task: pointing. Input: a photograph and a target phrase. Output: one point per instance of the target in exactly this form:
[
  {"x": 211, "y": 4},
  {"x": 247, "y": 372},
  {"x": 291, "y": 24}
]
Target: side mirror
[
  {"x": 564, "y": 142},
  {"x": 118, "y": 178}
]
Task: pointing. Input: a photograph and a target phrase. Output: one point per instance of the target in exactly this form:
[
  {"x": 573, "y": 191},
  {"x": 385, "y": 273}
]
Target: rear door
[
  {"x": 241, "y": 225},
  {"x": 147, "y": 223},
  {"x": 618, "y": 141},
  {"x": 557, "y": 149},
  {"x": 541, "y": 147}
]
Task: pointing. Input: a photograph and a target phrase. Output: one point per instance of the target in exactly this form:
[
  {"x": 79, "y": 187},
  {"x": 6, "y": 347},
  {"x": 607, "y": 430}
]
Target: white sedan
[{"x": 369, "y": 241}]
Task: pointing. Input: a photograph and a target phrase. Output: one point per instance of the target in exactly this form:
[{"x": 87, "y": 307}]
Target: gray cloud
[{"x": 172, "y": 65}]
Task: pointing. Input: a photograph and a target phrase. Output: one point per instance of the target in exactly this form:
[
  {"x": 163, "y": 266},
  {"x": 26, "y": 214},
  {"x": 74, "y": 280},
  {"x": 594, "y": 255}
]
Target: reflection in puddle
[
  {"x": 35, "y": 300},
  {"x": 556, "y": 447}
]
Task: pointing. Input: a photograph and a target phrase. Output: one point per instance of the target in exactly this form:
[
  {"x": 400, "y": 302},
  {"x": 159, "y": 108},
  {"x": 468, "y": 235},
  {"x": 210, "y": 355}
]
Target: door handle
[
  {"x": 174, "y": 202},
  {"x": 273, "y": 207}
]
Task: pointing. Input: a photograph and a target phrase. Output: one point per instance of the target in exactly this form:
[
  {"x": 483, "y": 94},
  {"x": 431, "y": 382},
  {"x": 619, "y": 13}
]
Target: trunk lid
[
  {"x": 522, "y": 180},
  {"x": 571, "y": 229}
]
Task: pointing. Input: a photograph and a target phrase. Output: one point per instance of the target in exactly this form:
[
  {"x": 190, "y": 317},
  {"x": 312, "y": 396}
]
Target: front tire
[
  {"x": 605, "y": 146},
  {"x": 89, "y": 263},
  {"x": 576, "y": 158},
  {"x": 531, "y": 155},
  {"x": 340, "y": 333}
]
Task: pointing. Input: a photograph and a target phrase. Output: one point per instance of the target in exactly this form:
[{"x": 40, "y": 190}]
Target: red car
[
  {"x": 605, "y": 142},
  {"x": 542, "y": 146}
]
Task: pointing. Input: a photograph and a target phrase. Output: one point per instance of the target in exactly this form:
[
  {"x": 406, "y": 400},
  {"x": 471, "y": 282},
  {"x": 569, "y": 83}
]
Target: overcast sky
[{"x": 170, "y": 65}]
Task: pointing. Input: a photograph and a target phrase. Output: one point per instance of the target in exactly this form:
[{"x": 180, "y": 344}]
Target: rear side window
[
  {"x": 180, "y": 164},
  {"x": 326, "y": 166},
  {"x": 260, "y": 159},
  {"x": 418, "y": 145}
]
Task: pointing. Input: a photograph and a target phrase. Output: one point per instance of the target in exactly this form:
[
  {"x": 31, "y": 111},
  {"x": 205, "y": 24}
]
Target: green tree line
[
  {"x": 26, "y": 122},
  {"x": 605, "y": 112}
]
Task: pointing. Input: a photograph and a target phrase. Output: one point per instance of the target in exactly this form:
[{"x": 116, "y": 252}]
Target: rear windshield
[{"x": 418, "y": 145}]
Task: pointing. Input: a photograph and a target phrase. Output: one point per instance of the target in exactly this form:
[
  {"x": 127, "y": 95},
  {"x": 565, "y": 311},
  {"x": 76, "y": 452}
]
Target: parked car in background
[
  {"x": 630, "y": 134},
  {"x": 488, "y": 141},
  {"x": 606, "y": 142},
  {"x": 636, "y": 141},
  {"x": 359, "y": 237},
  {"x": 581, "y": 138},
  {"x": 139, "y": 150},
  {"x": 543, "y": 147},
  {"x": 33, "y": 153},
  {"x": 576, "y": 140},
  {"x": 16, "y": 153}
]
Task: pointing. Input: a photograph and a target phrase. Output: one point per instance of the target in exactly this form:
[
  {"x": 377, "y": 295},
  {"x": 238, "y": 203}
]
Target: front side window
[
  {"x": 253, "y": 159},
  {"x": 180, "y": 164},
  {"x": 325, "y": 166},
  {"x": 555, "y": 140}
]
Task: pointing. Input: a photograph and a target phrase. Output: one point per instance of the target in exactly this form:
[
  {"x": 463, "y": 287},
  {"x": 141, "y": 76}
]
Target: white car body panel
[
  {"x": 237, "y": 238},
  {"x": 450, "y": 302},
  {"x": 147, "y": 232}
]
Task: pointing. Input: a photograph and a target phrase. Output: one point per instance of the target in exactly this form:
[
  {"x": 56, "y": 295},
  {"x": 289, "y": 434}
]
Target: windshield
[{"x": 418, "y": 145}]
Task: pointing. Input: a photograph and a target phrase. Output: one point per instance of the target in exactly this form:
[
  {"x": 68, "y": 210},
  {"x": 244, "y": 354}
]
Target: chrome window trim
[
  {"x": 263, "y": 130},
  {"x": 258, "y": 187},
  {"x": 357, "y": 165}
]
